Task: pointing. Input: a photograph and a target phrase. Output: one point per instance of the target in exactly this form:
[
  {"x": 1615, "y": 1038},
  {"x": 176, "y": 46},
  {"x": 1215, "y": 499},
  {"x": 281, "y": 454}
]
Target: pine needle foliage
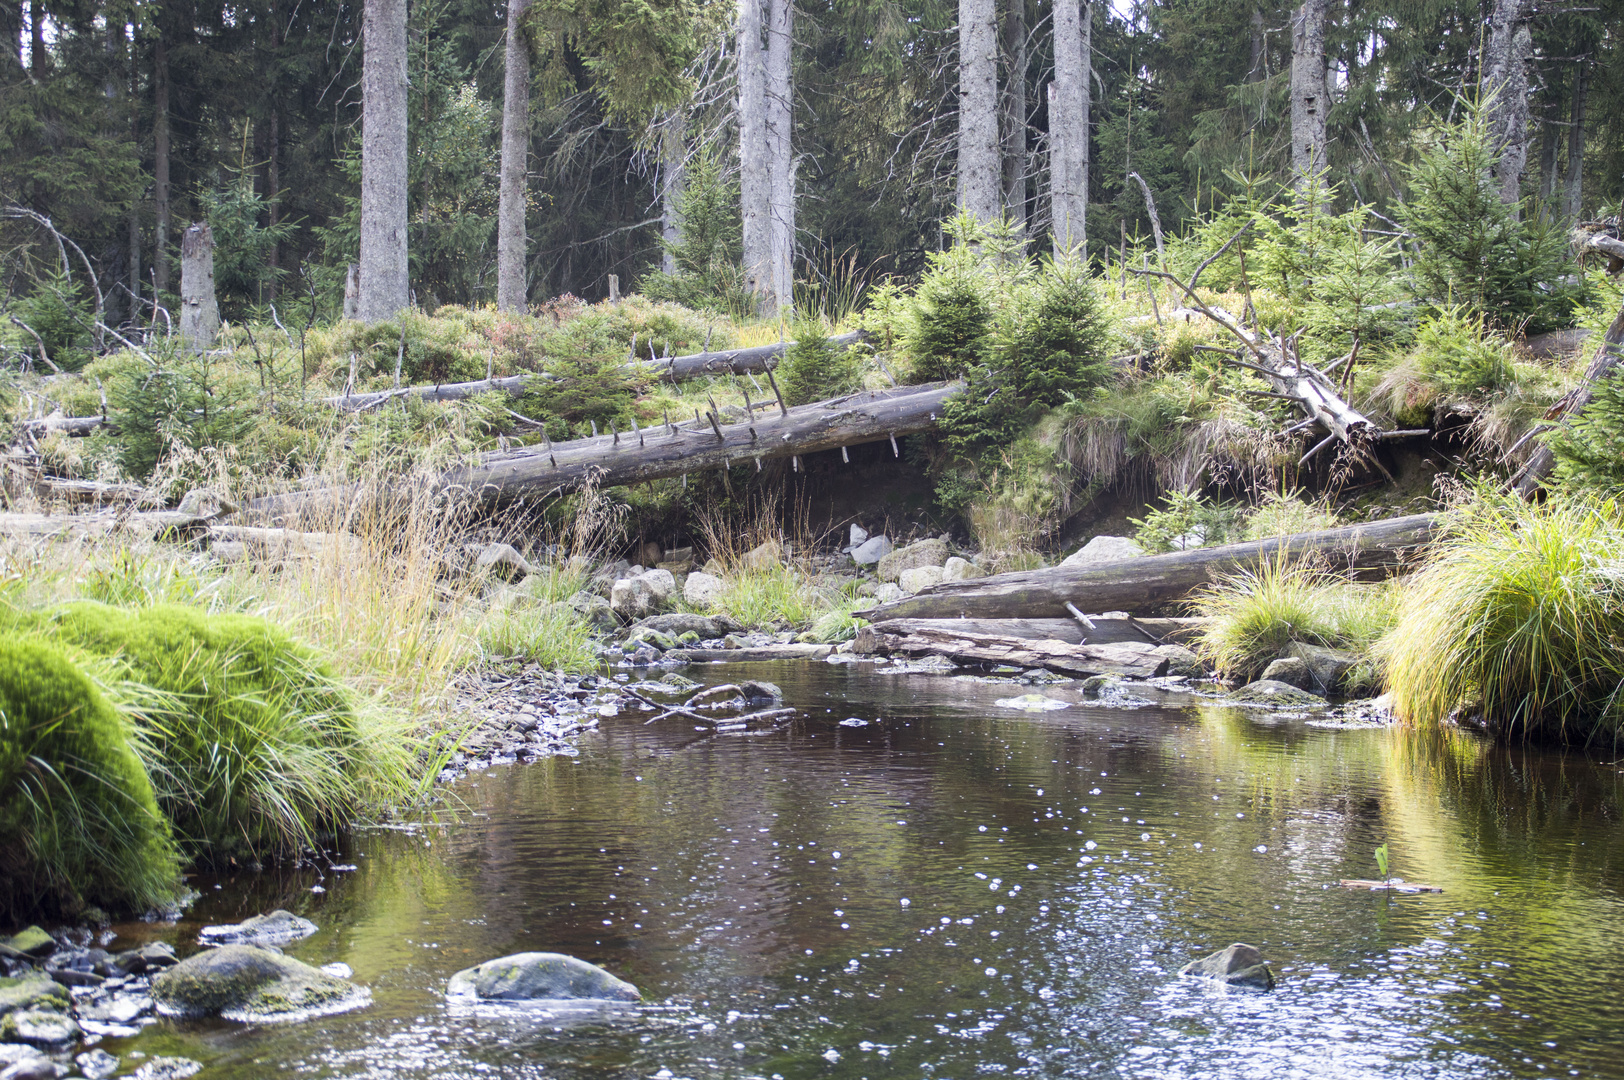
[
  {"x": 815, "y": 369},
  {"x": 1589, "y": 449}
]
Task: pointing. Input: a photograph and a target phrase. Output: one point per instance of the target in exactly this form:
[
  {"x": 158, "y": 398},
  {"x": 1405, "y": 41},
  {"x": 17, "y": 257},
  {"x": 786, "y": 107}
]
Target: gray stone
[
  {"x": 540, "y": 976},
  {"x": 244, "y": 982},
  {"x": 871, "y": 551},
  {"x": 97, "y": 1064},
  {"x": 595, "y": 611},
  {"x": 1329, "y": 667},
  {"x": 682, "y": 622},
  {"x": 919, "y": 578},
  {"x": 1095, "y": 685},
  {"x": 675, "y": 566},
  {"x": 33, "y": 943},
  {"x": 167, "y": 1068},
  {"x": 12, "y": 1053},
  {"x": 663, "y": 582},
  {"x": 502, "y": 561},
  {"x": 702, "y": 590},
  {"x": 761, "y": 692},
  {"x": 765, "y": 554},
  {"x": 277, "y": 928},
  {"x": 957, "y": 569},
  {"x": 888, "y": 592},
  {"x": 681, "y": 554},
  {"x": 859, "y": 536},
  {"x": 1275, "y": 694},
  {"x": 37, "y": 1027},
  {"x": 923, "y": 553},
  {"x": 648, "y": 635},
  {"x": 1292, "y": 672},
  {"x": 1181, "y": 661},
  {"x": 632, "y": 598},
  {"x": 38, "y": 1067},
  {"x": 1238, "y": 965},
  {"x": 35, "y": 990},
  {"x": 1103, "y": 549}
]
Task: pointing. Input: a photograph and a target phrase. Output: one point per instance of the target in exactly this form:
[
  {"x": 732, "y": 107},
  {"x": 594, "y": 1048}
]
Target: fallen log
[
  {"x": 152, "y": 525},
  {"x": 1148, "y": 583},
  {"x": 1136, "y": 660},
  {"x": 76, "y": 426},
  {"x": 1108, "y": 629},
  {"x": 1607, "y": 357},
  {"x": 667, "y": 451},
  {"x": 277, "y": 545},
  {"x": 53, "y": 489},
  {"x": 750, "y": 655}
]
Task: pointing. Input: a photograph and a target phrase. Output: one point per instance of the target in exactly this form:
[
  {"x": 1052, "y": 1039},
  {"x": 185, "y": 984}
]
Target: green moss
[
  {"x": 79, "y": 822},
  {"x": 32, "y": 991}
]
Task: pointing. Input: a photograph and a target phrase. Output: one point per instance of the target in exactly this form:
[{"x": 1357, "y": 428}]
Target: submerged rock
[
  {"x": 35, "y": 990},
  {"x": 1238, "y": 965},
  {"x": 540, "y": 976},
  {"x": 1274, "y": 694},
  {"x": 1032, "y": 703},
  {"x": 277, "y": 928},
  {"x": 244, "y": 982}
]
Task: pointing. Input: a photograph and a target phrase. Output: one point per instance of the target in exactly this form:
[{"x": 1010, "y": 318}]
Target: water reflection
[{"x": 1057, "y": 870}]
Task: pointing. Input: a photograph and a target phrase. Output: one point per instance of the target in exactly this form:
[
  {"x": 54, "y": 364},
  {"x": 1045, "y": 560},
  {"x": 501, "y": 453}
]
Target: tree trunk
[
  {"x": 1148, "y": 583},
  {"x": 38, "y": 55},
  {"x": 11, "y": 27},
  {"x": 1134, "y": 660},
  {"x": 1014, "y": 113},
  {"x": 1259, "y": 69},
  {"x": 979, "y": 187},
  {"x": 1573, "y": 183},
  {"x": 781, "y": 152},
  {"x": 384, "y": 289},
  {"x": 755, "y": 176},
  {"x": 1505, "y": 88},
  {"x": 1068, "y": 125},
  {"x": 1601, "y": 365},
  {"x": 199, "y": 313},
  {"x": 511, "y": 291},
  {"x": 1308, "y": 102},
  {"x": 673, "y": 184},
  {"x": 1106, "y": 629},
  {"x": 160, "y": 163}
]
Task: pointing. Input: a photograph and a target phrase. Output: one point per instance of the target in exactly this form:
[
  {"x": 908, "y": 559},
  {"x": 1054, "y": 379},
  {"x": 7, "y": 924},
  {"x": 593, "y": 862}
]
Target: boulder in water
[
  {"x": 1268, "y": 692},
  {"x": 37, "y": 1027},
  {"x": 277, "y": 928},
  {"x": 540, "y": 976},
  {"x": 244, "y": 982},
  {"x": 1239, "y": 965},
  {"x": 35, "y": 990}
]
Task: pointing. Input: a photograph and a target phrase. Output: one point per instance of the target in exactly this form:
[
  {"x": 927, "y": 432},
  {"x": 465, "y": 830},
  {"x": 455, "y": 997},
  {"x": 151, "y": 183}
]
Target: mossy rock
[
  {"x": 38, "y": 1027},
  {"x": 35, "y": 990},
  {"x": 540, "y": 976},
  {"x": 243, "y": 982},
  {"x": 32, "y": 942},
  {"x": 260, "y": 749},
  {"x": 79, "y": 821}
]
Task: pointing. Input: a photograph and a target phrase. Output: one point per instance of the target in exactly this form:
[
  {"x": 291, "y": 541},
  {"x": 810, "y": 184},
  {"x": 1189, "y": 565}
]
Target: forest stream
[{"x": 911, "y": 880}]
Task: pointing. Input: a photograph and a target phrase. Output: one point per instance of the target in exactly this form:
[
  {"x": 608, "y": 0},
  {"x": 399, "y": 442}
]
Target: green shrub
[
  {"x": 1184, "y": 514},
  {"x": 708, "y": 272},
  {"x": 55, "y": 310},
  {"x": 770, "y": 597},
  {"x": 79, "y": 823},
  {"x": 1589, "y": 448},
  {"x": 1461, "y": 356},
  {"x": 1518, "y": 618},
  {"x": 813, "y": 369},
  {"x": 265, "y": 751},
  {"x": 1284, "y": 514},
  {"x": 606, "y": 331}
]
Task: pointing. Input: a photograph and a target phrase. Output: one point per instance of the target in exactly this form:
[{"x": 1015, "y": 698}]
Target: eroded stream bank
[{"x": 1058, "y": 868}]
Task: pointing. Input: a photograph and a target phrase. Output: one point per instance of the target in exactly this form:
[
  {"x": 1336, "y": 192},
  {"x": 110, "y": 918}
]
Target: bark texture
[
  {"x": 1506, "y": 56},
  {"x": 1573, "y": 183},
  {"x": 383, "y": 279},
  {"x": 1014, "y": 113},
  {"x": 979, "y": 187},
  {"x": 781, "y": 153},
  {"x": 160, "y": 164},
  {"x": 1606, "y": 358},
  {"x": 1135, "y": 660},
  {"x": 755, "y": 179},
  {"x": 199, "y": 311},
  {"x": 1068, "y": 125},
  {"x": 1148, "y": 583},
  {"x": 1107, "y": 629},
  {"x": 673, "y": 183},
  {"x": 1308, "y": 97},
  {"x": 512, "y": 293}
]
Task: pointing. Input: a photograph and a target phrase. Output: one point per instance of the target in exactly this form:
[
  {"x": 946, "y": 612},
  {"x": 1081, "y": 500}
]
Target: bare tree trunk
[
  {"x": 11, "y": 27},
  {"x": 1014, "y": 117},
  {"x": 1308, "y": 103},
  {"x": 38, "y": 55},
  {"x": 755, "y": 179},
  {"x": 160, "y": 164},
  {"x": 1547, "y": 167},
  {"x": 1505, "y": 89},
  {"x": 673, "y": 183},
  {"x": 199, "y": 313},
  {"x": 1259, "y": 69},
  {"x": 979, "y": 187},
  {"x": 273, "y": 166},
  {"x": 383, "y": 281},
  {"x": 781, "y": 151},
  {"x": 135, "y": 204},
  {"x": 1573, "y": 183},
  {"x": 1068, "y": 125},
  {"x": 511, "y": 291}
]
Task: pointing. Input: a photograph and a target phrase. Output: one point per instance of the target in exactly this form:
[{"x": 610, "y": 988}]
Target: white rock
[
  {"x": 858, "y": 535},
  {"x": 957, "y": 569},
  {"x": 701, "y": 589},
  {"x": 1103, "y": 549},
  {"x": 920, "y": 577},
  {"x": 871, "y": 551},
  {"x": 632, "y": 598},
  {"x": 662, "y": 582},
  {"x": 762, "y": 556},
  {"x": 888, "y": 592}
]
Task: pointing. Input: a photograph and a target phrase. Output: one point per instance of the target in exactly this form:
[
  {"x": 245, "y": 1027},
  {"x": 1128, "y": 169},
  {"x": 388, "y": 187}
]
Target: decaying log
[
  {"x": 275, "y": 545},
  {"x": 50, "y": 489},
  {"x": 1108, "y": 629},
  {"x": 1148, "y": 583},
  {"x": 793, "y": 651},
  {"x": 1138, "y": 660},
  {"x": 76, "y": 426},
  {"x": 871, "y": 416},
  {"x": 153, "y": 525},
  {"x": 1607, "y": 357}
]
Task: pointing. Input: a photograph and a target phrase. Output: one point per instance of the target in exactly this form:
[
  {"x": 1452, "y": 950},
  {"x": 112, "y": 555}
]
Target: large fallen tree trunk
[
  {"x": 671, "y": 450},
  {"x": 1607, "y": 357},
  {"x": 1106, "y": 629},
  {"x": 1137, "y": 660},
  {"x": 1148, "y": 583},
  {"x": 151, "y": 525},
  {"x": 672, "y": 369}
]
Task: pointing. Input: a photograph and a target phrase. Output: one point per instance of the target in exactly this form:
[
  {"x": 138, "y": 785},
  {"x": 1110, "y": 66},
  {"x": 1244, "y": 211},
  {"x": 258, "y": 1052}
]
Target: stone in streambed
[
  {"x": 957, "y": 569},
  {"x": 682, "y": 622},
  {"x": 277, "y": 928},
  {"x": 38, "y": 1027},
  {"x": 1103, "y": 549},
  {"x": 871, "y": 551},
  {"x": 632, "y": 598},
  {"x": 1291, "y": 671},
  {"x": 32, "y": 944},
  {"x": 919, "y": 578},
  {"x": 702, "y": 589},
  {"x": 1329, "y": 667},
  {"x": 1276, "y": 694},
  {"x": 38, "y": 1067},
  {"x": 540, "y": 976},
  {"x": 96, "y": 1064},
  {"x": 243, "y": 982},
  {"x": 35, "y": 990},
  {"x": 167, "y": 1068},
  {"x": 757, "y": 692},
  {"x": 924, "y": 553},
  {"x": 1238, "y": 965}
]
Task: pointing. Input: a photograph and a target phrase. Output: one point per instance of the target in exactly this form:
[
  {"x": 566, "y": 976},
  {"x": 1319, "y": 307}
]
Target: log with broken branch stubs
[
  {"x": 503, "y": 476},
  {"x": 1602, "y": 364},
  {"x": 1136, "y": 660},
  {"x": 1146, "y": 584}
]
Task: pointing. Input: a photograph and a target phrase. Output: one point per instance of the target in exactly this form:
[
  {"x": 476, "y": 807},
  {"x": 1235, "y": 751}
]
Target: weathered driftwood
[
  {"x": 658, "y": 452},
  {"x": 156, "y": 524},
  {"x": 1146, "y": 584},
  {"x": 69, "y": 425},
  {"x": 51, "y": 488},
  {"x": 1108, "y": 629},
  {"x": 1607, "y": 357},
  {"x": 1139, "y": 660},
  {"x": 760, "y": 652},
  {"x": 233, "y": 542}
]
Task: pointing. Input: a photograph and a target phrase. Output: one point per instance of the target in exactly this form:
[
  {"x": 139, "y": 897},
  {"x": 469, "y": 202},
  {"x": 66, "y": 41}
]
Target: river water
[{"x": 957, "y": 889}]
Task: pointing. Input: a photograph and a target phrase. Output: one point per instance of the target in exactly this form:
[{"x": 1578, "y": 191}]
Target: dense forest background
[{"x": 123, "y": 121}]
